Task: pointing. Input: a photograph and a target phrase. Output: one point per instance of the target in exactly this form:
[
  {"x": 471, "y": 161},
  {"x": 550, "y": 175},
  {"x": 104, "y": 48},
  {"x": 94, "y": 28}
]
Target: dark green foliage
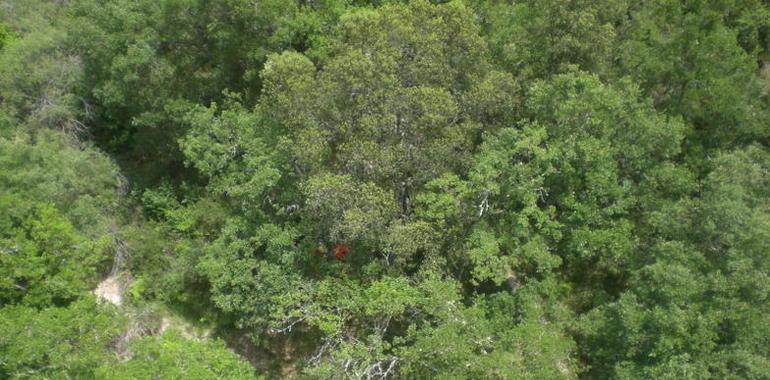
[
  {"x": 705, "y": 69},
  {"x": 540, "y": 38}
]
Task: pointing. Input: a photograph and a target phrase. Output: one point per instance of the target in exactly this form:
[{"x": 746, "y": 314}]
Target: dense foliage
[{"x": 385, "y": 189}]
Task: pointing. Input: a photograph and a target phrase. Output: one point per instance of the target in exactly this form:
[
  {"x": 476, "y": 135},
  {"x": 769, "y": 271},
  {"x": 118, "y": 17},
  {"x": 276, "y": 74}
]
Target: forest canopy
[{"x": 385, "y": 189}]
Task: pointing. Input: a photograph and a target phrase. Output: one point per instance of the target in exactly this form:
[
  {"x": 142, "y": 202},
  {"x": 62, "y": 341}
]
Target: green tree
[
  {"x": 388, "y": 189},
  {"x": 172, "y": 356},
  {"x": 5, "y": 36},
  {"x": 53, "y": 167},
  {"x": 535, "y": 39},
  {"x": 142, "y": 59},
  {"x": 383, "y": 106},
  {"x": 57, "y": 226},
  {"x": 704, "y": 69},
  {"x": 57, "y": 342},
  {"x": 694, "y": 308},
  {"x": 565, "y": 185},
  {"x": 45, "y": 261},
  {"x": 39, "y": 79}
]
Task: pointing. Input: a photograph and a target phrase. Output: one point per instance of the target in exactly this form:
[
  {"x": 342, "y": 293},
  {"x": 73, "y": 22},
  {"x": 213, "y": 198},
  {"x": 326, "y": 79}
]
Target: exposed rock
[{"x": 110, "y": 290}]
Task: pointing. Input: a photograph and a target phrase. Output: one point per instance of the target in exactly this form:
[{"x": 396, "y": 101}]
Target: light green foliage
[
  {"x": 566, "y": 182},
  {"x": 603, "y": 141},
  {"x": 351, "y": 210},
  {"x": 495, "y": 101},
  {"x": 5, "y": 36},
  {"x": 681, "y": 303},
  {"x": 38, "y": 80},
  {"x": 56, "y": 342},
  {"x": 248, "y": 270},
  {"x": 171, "y": 356},
  {"x": 55, "y": 223},
  {"x": 44, "y": 260},
  {"x": 382, "y": 107},
  {"x": 509, "y": 178},
  {"x": 443, "y": 201},
  {"x": 406, "y": 243},
  {"x": 485, "y": 340},
  {"x": 80, "y": 181},
  {"x": 227, "y": 149},
  {"x": 25, "y": 16}
]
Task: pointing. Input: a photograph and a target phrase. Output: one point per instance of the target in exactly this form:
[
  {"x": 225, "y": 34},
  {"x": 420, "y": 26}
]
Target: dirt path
[{"x": 111, "y": 290}]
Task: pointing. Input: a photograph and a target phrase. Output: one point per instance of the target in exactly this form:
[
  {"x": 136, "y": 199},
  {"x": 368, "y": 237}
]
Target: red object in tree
[{"x": 340, "y": 251}]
